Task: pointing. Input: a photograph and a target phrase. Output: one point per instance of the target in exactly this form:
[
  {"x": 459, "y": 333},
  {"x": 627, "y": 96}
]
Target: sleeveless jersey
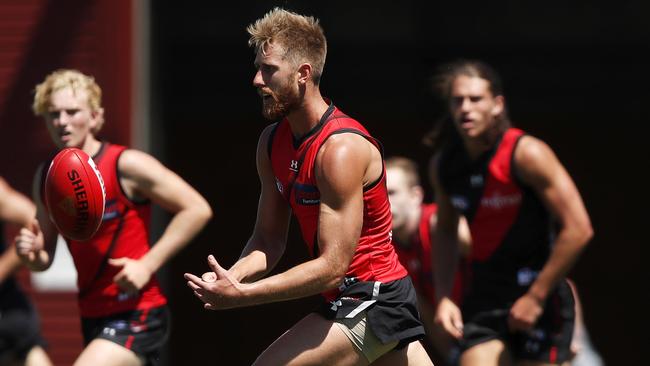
[
  {"x": 100, "y": 296},
  {"x": 416, "y": 256},
  {"x": 293, "y": 166},
  {"x": 510, "y": 227}
]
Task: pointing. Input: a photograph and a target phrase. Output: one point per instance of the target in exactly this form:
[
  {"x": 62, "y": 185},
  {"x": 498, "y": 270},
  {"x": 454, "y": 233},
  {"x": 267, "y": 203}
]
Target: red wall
[{"x": 37, "y": 37}]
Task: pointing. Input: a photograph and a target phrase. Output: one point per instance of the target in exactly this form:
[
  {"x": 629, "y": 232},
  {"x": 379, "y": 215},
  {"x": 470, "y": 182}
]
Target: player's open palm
[{"x": 217, "y": 289}]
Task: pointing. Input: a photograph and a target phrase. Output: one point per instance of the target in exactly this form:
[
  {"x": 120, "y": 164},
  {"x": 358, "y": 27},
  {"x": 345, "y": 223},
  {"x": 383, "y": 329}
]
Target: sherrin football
[{"x": 75, "y": 194}]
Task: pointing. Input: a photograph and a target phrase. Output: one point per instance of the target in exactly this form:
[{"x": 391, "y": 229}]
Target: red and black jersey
[
  {"x": 99, "y": 295},
  {"x": 416, "y": 256},
  {"x": 293, "y": 166},
  {"x": 510, "y": 227}
]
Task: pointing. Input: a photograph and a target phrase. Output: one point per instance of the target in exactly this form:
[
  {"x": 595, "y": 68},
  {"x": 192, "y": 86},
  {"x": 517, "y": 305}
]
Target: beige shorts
[{"x": 362, "y": 337}]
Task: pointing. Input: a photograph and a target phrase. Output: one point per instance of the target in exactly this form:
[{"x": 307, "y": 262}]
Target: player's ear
[
  {"x": 418, "y": 193},
  {"x": 304, "y": 73},
  {"x": 96, "y": 119},
  {"x": 499, "y": 105}
]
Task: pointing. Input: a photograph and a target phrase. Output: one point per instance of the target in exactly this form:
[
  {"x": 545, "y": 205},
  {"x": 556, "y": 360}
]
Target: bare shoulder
[
  {"x": 342, "y": 143},
  {"x": 262, "y": 154},
  {"x": 263, "y": 141},
  {"x": 345, "y": 151},
  {"x": 346, "y": 162},
  {"x": 535, "y": 161},
  {"x": 134, "y": 162},
  {"x": 266, "y": 133},
  {"x": 532, "y": 150}
]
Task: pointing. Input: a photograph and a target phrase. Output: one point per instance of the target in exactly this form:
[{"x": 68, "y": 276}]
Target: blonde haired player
[{"x": 123, "y": 310}]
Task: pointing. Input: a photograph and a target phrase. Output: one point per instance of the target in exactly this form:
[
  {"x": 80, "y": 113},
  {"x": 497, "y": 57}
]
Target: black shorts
[
  {"x": 19, "y": 326},
  {"x": 392, "y": 313},
  {"x": 549, "y": 341},
  {"x": 141, "y": 331}
]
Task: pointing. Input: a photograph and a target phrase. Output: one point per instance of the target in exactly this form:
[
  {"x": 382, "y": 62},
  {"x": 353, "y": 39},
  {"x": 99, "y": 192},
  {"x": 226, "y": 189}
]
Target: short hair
[
  {"x": 67, "y": 78},
  {"x": 301, "y": 37},
  {"x": 408, "y": 166}
]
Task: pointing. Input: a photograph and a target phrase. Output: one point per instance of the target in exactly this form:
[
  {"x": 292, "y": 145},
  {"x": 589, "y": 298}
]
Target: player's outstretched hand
[{"x": 217, "y": 289}]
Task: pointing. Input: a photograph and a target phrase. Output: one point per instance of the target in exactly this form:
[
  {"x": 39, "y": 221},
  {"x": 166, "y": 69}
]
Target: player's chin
[
  {"x": 72, "y": 143},
  {"x": 65, "y": 143}
]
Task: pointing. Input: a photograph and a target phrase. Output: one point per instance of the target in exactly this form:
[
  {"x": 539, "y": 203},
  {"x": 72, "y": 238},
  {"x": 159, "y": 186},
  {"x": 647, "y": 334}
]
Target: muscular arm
[
  {"x": 268, "y": 241},
  {"x": 538, "y": 167},
  {"x": 144, "y": 176},
  {"x": 340, "y": 222}
]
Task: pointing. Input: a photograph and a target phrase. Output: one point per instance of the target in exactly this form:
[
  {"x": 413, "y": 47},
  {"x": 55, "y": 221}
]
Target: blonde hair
[
  {"x": 301, "y": 38},
  {"x": 406, "y": 165},
  {"x": 76, "y": 81}
]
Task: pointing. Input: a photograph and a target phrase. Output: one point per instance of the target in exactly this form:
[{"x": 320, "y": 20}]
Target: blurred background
[{"x": 177, "y": 82}]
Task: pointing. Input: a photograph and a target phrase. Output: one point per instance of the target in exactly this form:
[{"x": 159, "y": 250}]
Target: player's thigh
[
  {"x": 312, "y": 341},
  {"x": 413, "y": 354},
  {"x": 490, "y": 353},
  {"x": 102, "y": 352}
]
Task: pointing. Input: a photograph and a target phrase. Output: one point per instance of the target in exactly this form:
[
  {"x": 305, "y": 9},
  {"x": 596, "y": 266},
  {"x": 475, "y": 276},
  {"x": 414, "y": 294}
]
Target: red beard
[{"x": 280, "y": 104}]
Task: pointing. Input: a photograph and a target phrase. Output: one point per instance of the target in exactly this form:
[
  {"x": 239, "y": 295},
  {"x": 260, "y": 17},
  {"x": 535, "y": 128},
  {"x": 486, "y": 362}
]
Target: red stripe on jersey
[
  {"x": 143, "y": 316},
  {"x": 552, "y": 356},
  {"x": 500, "y": 201},
  {"x": 129, "y": 342}
]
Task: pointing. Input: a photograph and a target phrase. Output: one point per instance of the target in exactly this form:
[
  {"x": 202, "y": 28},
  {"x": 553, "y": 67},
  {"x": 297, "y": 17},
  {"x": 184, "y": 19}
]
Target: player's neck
[
  {"x": 91, "y": 145},
  {"x": 480, "y": 144},
  {"x": 308, "y": 115}
]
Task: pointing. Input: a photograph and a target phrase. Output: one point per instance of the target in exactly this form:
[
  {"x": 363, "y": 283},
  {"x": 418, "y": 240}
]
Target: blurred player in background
[
  {"x": 414, "y": 226},
  {"x": 528, "y": 225},
  {"x": 123, "y": 310},
  {"x": 20, "y": 337}
]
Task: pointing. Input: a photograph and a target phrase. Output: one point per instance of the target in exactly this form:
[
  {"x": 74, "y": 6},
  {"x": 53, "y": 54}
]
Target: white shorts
[{"x": 363, "y": 338}]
